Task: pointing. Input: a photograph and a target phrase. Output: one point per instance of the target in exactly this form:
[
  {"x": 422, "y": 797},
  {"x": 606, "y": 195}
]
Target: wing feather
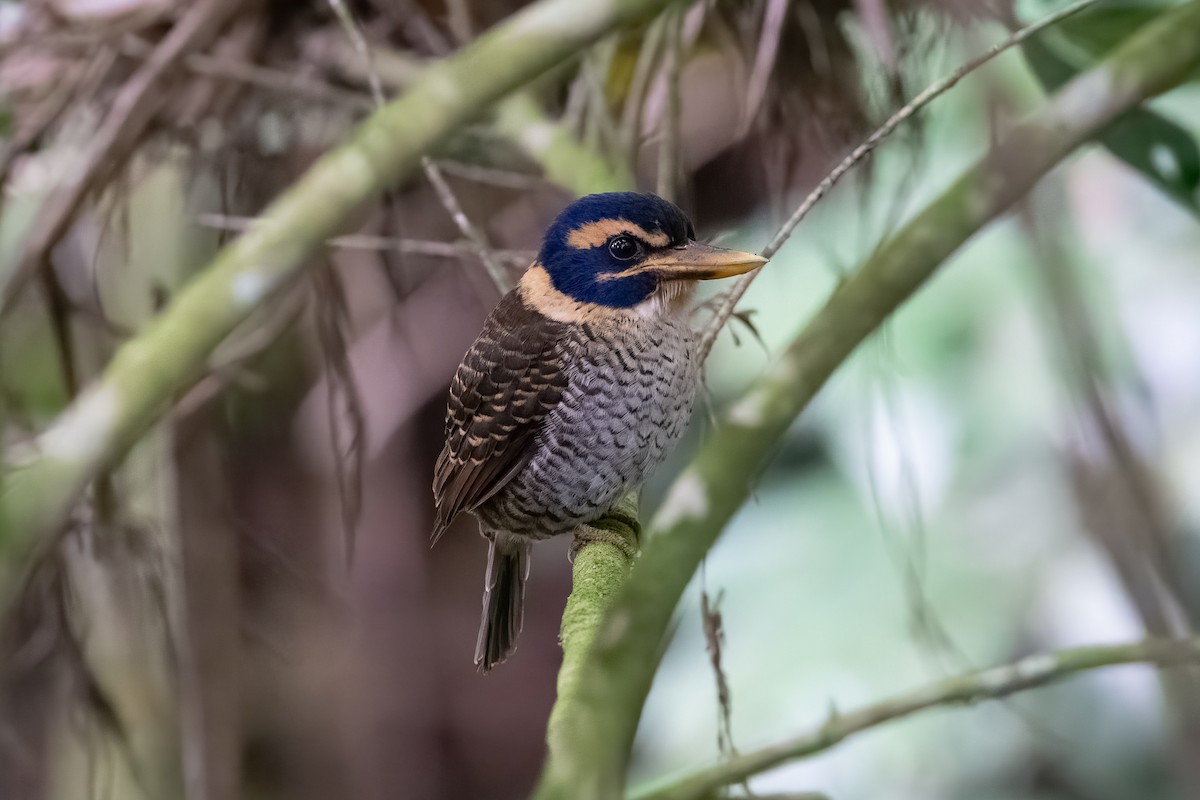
[{"x": 508, "y": 382}]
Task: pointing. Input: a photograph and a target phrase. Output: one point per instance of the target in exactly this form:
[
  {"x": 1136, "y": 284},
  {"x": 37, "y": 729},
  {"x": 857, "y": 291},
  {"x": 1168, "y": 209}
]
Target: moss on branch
[
  {"x": 564, "y": 159},
  {"x": 604, "y": 554}
]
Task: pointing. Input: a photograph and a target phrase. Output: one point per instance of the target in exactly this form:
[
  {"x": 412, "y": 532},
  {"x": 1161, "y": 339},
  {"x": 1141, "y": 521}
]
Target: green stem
[
  {"x": 972, "y": 687},
  {"x": 601, "y": 565},
  {"x": 149, "y": 372},
  {"x": 564, "y": 159},
  {"x": 592, "y": 761}
]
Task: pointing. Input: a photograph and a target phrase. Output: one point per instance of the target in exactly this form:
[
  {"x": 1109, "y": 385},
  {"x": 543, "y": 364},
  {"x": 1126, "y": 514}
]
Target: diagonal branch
[
  {"x": 127, "y": 121},
  {"x": 906, "y": 112},
  {"x": 149, "y": 372},
  {"x": 565, "y": 159},
  {"x": 986, "y": 684},
  {"x": 589, "y": 754},
  {"x": 474, "y": 236}
]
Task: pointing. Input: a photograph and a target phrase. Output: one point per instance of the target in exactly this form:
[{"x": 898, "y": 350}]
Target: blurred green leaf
[
  {"x": 1164, "y": 152},
  {"x": 1100, "y": 29},
  {"x": 1159, "y": 149}
]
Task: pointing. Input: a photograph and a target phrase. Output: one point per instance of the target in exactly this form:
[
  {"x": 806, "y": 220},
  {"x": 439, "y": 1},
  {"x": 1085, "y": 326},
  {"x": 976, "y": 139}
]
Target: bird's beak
[{"x": 697, "y": 262}]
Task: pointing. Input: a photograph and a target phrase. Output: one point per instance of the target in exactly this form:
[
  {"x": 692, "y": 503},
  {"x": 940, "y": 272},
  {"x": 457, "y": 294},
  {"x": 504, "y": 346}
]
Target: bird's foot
[{"x": 624, "y": 539}]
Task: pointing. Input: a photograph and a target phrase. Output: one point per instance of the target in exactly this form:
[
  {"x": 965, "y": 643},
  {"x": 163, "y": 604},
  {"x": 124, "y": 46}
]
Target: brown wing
[{"x": 507, "y": 383}]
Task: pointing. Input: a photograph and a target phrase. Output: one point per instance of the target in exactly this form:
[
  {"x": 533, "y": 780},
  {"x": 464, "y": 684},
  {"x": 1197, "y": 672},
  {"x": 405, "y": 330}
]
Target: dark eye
[{"x": 623, "y": 248}]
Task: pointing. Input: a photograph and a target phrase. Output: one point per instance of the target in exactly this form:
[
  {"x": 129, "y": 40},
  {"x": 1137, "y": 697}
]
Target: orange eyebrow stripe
[
  {"x": 538, "y": 292},
  {"x": 594, "y": 234}
]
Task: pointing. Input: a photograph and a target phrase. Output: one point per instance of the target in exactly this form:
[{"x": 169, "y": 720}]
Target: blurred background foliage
[{"x": 992, "y": 475}]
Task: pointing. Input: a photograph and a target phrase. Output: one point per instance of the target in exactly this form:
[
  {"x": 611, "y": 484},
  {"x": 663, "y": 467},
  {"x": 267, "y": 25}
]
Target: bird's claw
[{"x": 589, "y": 534}]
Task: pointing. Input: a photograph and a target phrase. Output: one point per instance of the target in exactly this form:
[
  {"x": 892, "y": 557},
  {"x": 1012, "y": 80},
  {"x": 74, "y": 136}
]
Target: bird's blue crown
[{"x": 601, "y": 235}]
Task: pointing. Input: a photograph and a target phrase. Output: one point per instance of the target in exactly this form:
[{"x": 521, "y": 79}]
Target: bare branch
[
  {"x": 669, "y": 158},
  {"x": 765, "y": 55},
  {"x": 267, "y": 78},
  {"x": 359, "y": 42},
  {"x": 366, "y": 241},
  {"x": 473, "y": 234},
  {"x": 128, "y": 119},
  {"x": 988, "y": 684},
  {"x": 885, "y": 130},
  {"x": 445, "y": 194}
]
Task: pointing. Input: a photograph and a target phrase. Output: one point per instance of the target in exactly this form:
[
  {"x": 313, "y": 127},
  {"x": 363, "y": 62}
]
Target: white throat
[{"x": 670, "y": 299}]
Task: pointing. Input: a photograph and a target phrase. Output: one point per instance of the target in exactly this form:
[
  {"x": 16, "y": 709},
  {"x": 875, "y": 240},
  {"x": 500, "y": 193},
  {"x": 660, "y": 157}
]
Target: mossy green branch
[
  {"x": 604, "y": 555},
  {"x": 591, "y": 760},
  {"x": 972, "y": 687},
  {"x": 563, "y": 158},
  {"x": 149, "y": 372}
]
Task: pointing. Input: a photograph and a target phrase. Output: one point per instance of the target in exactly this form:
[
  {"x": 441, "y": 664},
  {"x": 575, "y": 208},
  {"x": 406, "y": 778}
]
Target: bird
[{"x": 579, "y": 384}]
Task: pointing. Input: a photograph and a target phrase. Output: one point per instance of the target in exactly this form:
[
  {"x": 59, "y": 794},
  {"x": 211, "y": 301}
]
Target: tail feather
[{"x": 503, "y": 603}]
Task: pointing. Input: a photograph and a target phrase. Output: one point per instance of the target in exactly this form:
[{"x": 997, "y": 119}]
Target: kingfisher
[{"x": 579, "y": 384}]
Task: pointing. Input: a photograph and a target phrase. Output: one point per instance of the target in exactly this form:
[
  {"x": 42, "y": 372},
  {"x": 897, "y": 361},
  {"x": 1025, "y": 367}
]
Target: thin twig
[
  {"x": 668, "y": 147},
  {"x": 874, "y": 18},
  {"x": 346, "y": 418},
  {"x": 1130, "y": 524},
  {"x": 1114, "y": 488},
  {"x": 267, "y": 78},
  {"x": 601, "y": 131},
  {"x": 418, "y": 25},
  {"x": 359, "y": 42},
  {"x": 908, "y": 557},
  {"x": 504, "y": 178},
  {"x": 365, "y": 241},
  {"x": 765, "y": 55},
  {"x": 50, "y": 110},
  {"x": 972, "y": 687},
  {"x": 467, "y": 228},
  {"x": 127, "y": 121},
  {"x": 815, "y": 38},
  {"x": 865, "y": 149},
  {"x": 449, "y": 200},
  {"x": 639, "y": 86},
  {"x": 713, "y": 625}
]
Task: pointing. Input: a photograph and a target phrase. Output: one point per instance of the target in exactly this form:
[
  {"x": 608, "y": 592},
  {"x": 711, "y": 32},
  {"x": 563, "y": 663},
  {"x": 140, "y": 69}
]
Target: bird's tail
[{"x": 503, "y": 600}]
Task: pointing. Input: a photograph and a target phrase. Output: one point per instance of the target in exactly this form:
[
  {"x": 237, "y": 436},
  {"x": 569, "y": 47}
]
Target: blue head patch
[{"x": 601, "y": 235}]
